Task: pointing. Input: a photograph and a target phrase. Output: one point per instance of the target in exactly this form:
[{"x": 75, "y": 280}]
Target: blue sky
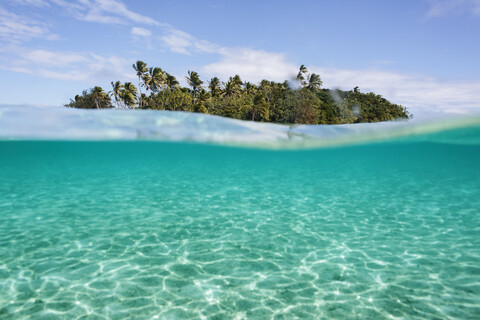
[{"x": 424, "y": 54}]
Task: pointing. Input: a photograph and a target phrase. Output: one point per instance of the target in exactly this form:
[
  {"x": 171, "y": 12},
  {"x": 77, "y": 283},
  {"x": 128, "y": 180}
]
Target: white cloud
[
  {"x": 69, "y": 66},
  {"x": 141, "y": 32},
  {"x": 205, "y": 46},
  {"x": 15, "y": 28},
  {"x": 103, "y": 11},
  {"x": 416, "y": 91},
  {"x": 178, "y": 41},
  {"x": 120, "y": 9},
  {"x": 53, "y": 59},
  {"x": 442, "y": 8},
  {"x": 251, "y": 65},
  {"x": 184, "y": 43}
]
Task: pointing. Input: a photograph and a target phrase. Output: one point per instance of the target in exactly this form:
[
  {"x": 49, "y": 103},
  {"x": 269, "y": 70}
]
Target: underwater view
[{"x": 126, "y": 217}]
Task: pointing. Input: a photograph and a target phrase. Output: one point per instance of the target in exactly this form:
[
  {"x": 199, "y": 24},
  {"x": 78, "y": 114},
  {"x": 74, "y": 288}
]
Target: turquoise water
[{"x": 175, "y": 230}]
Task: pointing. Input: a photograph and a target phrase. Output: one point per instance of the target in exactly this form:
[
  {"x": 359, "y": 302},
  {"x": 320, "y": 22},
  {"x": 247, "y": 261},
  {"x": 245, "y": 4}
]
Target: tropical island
[{"x": 301, "y": 101}]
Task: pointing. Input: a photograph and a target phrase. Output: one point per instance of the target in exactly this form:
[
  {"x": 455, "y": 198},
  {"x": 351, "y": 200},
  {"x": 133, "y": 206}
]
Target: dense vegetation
[{"x": 268, "y": 101}]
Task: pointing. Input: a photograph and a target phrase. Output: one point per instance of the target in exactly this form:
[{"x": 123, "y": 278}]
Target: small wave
[{"x": 54, "y": 123}]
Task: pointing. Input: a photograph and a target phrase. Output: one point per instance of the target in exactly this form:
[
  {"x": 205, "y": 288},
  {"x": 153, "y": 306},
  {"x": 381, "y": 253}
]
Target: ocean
[{"x": 143, "y": 215}]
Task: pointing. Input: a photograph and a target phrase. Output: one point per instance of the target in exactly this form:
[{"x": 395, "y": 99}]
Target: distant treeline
[{"x": 268, "y": 101}]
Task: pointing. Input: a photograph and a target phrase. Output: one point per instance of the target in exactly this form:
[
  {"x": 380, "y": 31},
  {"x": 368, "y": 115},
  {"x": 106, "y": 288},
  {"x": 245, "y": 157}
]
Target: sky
[{"x": 422, "y": 54}]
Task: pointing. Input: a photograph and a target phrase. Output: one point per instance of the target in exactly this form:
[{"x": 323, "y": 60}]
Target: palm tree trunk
[
  {"x": 116, "y": 100},
  {"x": 163, "y": 99},
  {"x": 140, "y": 90}
]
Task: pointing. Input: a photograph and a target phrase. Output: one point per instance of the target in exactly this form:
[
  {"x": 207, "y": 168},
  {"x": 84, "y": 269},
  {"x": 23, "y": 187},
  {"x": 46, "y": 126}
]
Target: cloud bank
[{"x": 410, "y": 90}]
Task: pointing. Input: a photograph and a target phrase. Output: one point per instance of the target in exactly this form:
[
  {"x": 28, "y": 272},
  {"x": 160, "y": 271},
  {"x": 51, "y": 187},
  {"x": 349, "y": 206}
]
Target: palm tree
[
  {"x": 99, "y": 96},
  {"x": 314, "y": 82},
  {"x": 147, "y": 81},
  {"x": 266, "y": 87},
  {"x": 157, "y": 82},
  {"x": 116, "y": 88},
  {"x": 147, "y": 98},
  {"x": 233, "y": 86},
  {"x": 141, "y": 68},
  {"x": 228, "y": 87},
  {"x": 214, "y": 86},
  {"x": 249, "y": 88},
  {"x": 171, "y": 82},
  {"x": 302, "y": 75},
  {"x": 157, "y": 79},
  {"x": 203, "y": 95},
  {"x": 194, "y": 82},
  {"x": 128, "y": 94},
  {"x": 260, "y": 106},
  {"x": 237, "y": 83}
]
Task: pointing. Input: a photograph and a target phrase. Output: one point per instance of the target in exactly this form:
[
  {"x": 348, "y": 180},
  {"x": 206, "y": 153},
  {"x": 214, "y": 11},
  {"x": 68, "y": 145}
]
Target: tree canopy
[{"x": 269, "y": 101}]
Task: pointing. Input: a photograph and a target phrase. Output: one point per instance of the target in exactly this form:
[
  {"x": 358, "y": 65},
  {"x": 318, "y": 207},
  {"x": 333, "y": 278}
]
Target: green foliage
[
  {"x": 260, "y": 107},
  {"x": 200, "y": 108},
  {"x": 195, "y": 83},
  {"x": 95, "y": 98},
  {"x": 172, "y": 82},
  {"x": 233, "y": 86},
  {"x": 314, "y": 82},
  {"x": 214, "y": 87},
  {"x": 128, "y": 95},
  {"x": 141, "y": 68},
  {"x": 301, "y": 106},
  {"x": 266, "y": 101},
  {"x": 302, "y": 75},
  {"x": 117, "y": 87},
  {"x": 370, "y": 107}
]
